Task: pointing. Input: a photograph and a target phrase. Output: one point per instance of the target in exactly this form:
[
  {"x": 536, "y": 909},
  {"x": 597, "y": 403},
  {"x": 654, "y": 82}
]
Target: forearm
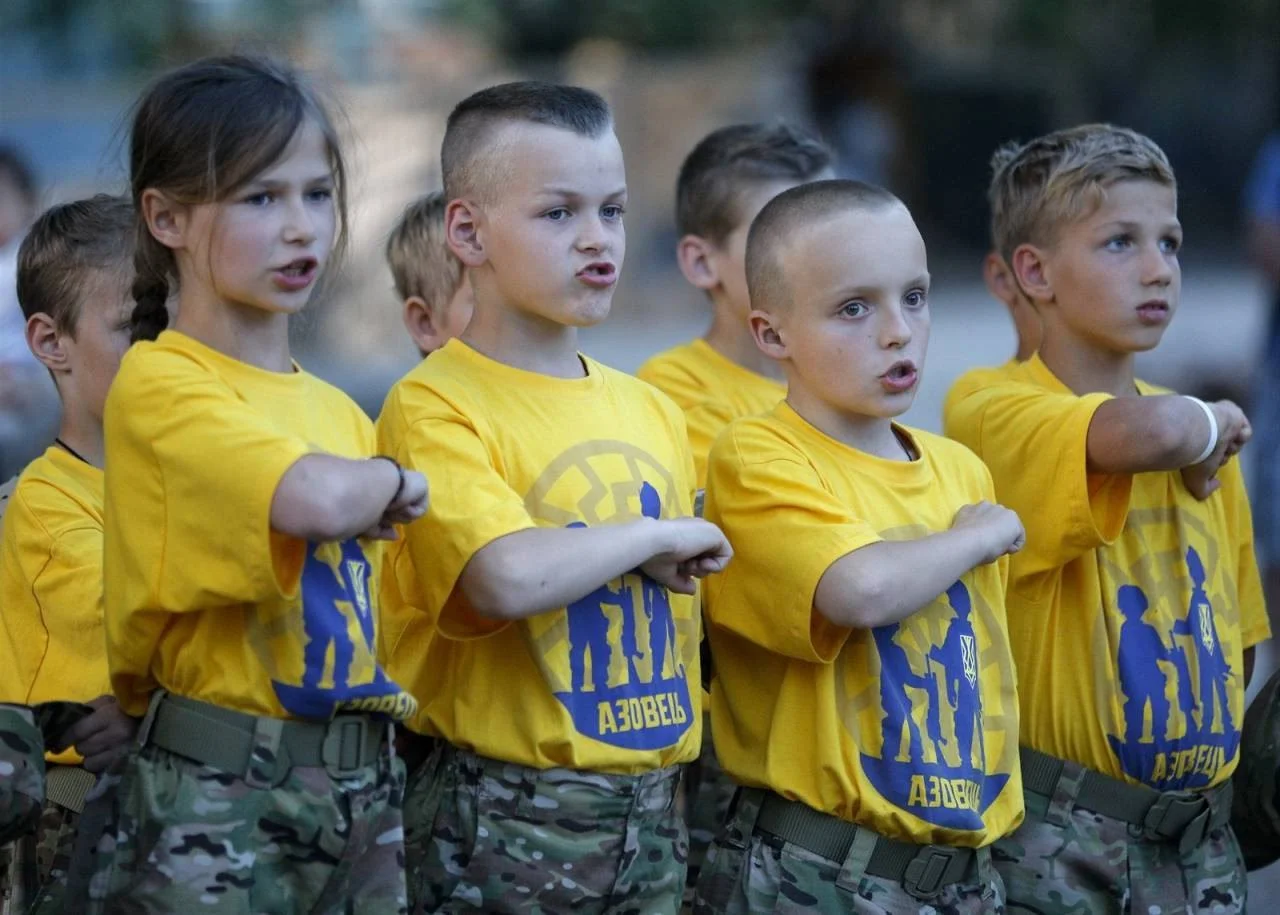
[
  {"x": 326, "y": 498},
  {"x": 888, "y": 581},
  {"x": 532, "y": 571},
  {"x": 1144, "y": 434}
]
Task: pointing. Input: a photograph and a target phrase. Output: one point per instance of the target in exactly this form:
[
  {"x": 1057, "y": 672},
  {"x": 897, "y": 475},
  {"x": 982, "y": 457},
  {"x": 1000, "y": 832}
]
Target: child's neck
[
  {"x": 524, "y": 341},
  {"x": 872, "y": 435},
  {"x": 1087, "y": 369},
  {"x": 731, "y": 337},
  {"x": 253, "y": 336},
  {"x": 81, "y": 434}
]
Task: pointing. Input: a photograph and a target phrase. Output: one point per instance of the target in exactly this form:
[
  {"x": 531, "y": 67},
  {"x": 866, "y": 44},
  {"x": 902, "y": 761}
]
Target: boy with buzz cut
[
  {"x": 724, "y": 182},
  {"x": 75, "y": 273},
  {"x": 1134, "y": 608},
  {"x": 556, "y": 573},
  {"x": 432, "y": 285},
  {"x": 864, "y": 696}
]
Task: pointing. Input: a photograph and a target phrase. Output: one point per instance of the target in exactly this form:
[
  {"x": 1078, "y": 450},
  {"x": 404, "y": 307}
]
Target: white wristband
[{"x": 1213, "y": 430}]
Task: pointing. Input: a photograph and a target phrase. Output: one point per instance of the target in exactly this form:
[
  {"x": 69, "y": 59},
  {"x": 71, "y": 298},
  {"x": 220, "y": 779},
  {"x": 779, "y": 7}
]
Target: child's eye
[
  {"x": 612, "y": 211},
  {"x": 1170, "y": 244},
  {"x": 853, "y": 309},
  {"x": 915, "y": 299},
  {"x": 320, "y": 194},
  {"x": 1118, "y": 243},
  {"x": 262, "y": 198},
  {"x": 559, "y": 214}
]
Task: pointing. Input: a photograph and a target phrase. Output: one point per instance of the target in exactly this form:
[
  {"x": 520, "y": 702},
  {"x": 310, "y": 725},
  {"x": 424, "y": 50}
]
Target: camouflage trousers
[
  {"x": 749, "y": 873},
  {"x": 482, "y": 835},
  {"x": 709, "y": 792},
  {"x": 21, "y": 771},
  {"x": 36, "y": 866},
  {"x": 185, "y": 837},
  {"x": 1064, "y": 860}
]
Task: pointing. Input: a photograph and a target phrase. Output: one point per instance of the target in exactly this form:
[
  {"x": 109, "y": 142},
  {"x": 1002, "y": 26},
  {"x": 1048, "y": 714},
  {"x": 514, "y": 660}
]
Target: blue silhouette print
[
  {"x": 335, "y": 585},
  {"x": 1164, "y": 761},
  {"x": 1210, "y": 660},
  {"x": 958, "y": 655},
  {"x": 895, "y": 676},
  {"x": 925, "y": 782},
  {"x": 628, "y": 710}
]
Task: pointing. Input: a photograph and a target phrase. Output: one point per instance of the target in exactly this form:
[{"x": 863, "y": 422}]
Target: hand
[
  {"x": 998, "y": 529},
  {"x": 103, "y": 737},
  {"x": 409, "y": 504},
  {"x": 1234, "y": 432},
  {"x": 695, "y": 548}
]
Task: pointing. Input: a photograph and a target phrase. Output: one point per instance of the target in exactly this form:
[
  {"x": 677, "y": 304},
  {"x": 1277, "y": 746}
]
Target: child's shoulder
[
  {"x": 991, "y": 378},
  {"x": 760, "y": 439},
  {"x": 677, "y": 366},
  {"x": 50, "y": 499}
]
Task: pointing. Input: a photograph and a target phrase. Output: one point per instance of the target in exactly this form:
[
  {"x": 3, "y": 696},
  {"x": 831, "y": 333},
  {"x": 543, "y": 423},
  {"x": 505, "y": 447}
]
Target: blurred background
[{"x": 912, "y": 94}]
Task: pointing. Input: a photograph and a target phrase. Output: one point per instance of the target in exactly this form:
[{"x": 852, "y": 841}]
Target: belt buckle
[
  {"x": 343, "y": 749},
  {"x": 926, "y": 872},
  {"x": 1185, "y": 812}
]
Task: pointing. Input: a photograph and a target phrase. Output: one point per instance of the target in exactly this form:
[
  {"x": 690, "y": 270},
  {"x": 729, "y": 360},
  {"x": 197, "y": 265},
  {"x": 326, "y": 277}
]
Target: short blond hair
[
  {"x": 420, "y": 260},
  {"x": 1040, "y": 186}
]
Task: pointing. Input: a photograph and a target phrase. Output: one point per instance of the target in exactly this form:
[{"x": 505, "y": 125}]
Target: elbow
[
  {"x": 863, "y": 603},
  {"x": 493, "y": 594}
]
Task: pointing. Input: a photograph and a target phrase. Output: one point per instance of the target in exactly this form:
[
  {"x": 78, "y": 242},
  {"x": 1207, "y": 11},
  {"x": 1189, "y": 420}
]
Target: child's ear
[
  {"x": 462, "y": 232},
  {"x": 1029, "y": 272},
  {"x": 421, "y": 324},
  {"x": 693, "y": 252},
  {"x": 165, "y": 219},
  {"x": 768, "y": 336},
  {"x": 45, "y": 342}
]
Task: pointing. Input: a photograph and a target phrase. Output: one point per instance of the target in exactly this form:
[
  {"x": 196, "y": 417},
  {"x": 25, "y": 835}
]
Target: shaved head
[
  {"x": 789, "y": 214},
  {"x": 471, "y": 155}
]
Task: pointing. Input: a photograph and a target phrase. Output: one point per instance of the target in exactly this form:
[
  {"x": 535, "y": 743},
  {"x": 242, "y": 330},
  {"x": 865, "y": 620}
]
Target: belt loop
[
  {"x": 268, "y": 763},
  {"x": 854, "y": 866},
  {"x": 743, "y": 813},
  {"x": 149, "y": 719},
  {"x": 1065, "y": 793}
]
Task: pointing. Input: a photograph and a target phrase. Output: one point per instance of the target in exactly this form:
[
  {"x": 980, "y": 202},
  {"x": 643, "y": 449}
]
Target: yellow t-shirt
[
  {"x": 713, "y": 391},
  {"x": 51, "y": 641},
  {"x": 909, "y": 729},
  {"x": 609, "y": 683},
  {"x": 1132, "y": 603},
  {"x": 201, "y": 597}
]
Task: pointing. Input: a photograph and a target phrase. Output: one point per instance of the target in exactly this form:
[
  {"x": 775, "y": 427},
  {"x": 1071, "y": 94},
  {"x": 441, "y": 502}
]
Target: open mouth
[
  {"x": 297, "y": 274},
  {"x": 599, "y": 274},
  {"x": 901, "y": 376},
  {"x": 1154, "y": 312}
]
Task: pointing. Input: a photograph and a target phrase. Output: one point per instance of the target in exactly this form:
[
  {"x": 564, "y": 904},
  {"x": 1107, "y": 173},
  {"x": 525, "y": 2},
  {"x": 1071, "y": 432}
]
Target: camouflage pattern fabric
[
  {"x": 488, "y": 836},
  {"x": 1255, "y": 813},
  {"x": 709, "y": 792},
  {"x": 21, "y": 772},
  {"x": 748, "y": 873},
  {"x": 1068, "y": 861},
  {"x": 39, "y": 863},
  {"x": 184, "y": 837}
]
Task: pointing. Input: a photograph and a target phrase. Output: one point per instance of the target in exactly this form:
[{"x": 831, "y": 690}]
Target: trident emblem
[
  {"x": 356, "y": 572},
  {"x": 1206, "y": 625},
  {"x": 968, "y": 651}
]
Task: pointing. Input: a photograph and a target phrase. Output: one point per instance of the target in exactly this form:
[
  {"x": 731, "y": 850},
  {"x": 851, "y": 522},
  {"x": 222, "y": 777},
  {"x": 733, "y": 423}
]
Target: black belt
[
  {"x": 924, "y": 870},
  {"x": 1184, "y": 817}
]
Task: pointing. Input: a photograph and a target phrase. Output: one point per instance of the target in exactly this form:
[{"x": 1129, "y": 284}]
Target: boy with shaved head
[
  {"x": 553, "y": 639},
  {"x": 864, "y": 697}
]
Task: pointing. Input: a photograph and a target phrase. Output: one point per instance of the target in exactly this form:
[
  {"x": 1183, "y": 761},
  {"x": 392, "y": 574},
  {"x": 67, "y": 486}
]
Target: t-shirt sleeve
[
  {"x": 472, "y": 505},
  {"x": 1036, "y": 444},
  {"x": 68, "y": 591},
  {"x": 786, "y": 529},
  {"x": 1255, "y": 624}
]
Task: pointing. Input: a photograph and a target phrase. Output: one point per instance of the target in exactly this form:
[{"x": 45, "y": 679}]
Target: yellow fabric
[
  {"x": 201, "y": 596},
  {"x": 609, "y": 684},
  {"x": 1132, "y": 603},
  {"x": 51, "y": 639},
  {"x": 713, "y": 391},
  {"x": 908, "y": 729}
]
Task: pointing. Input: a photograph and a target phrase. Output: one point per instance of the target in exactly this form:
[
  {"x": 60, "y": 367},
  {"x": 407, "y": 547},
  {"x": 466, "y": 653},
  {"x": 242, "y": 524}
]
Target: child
[
  {"x": 864, "y": 694},
  {"x": 725, "y": 180},
  {"x": 1002, "y": 284},
  {"x": 720, "y": 377},
  {"x": 74, "y": 274},
  {"x": 1134, "y": 608},
  {"x": 21, "y": 773},
  {"x": 243, "y": 506},
  {"x": 556, "y": 572},
  {"x": 430, "y": 281}
]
